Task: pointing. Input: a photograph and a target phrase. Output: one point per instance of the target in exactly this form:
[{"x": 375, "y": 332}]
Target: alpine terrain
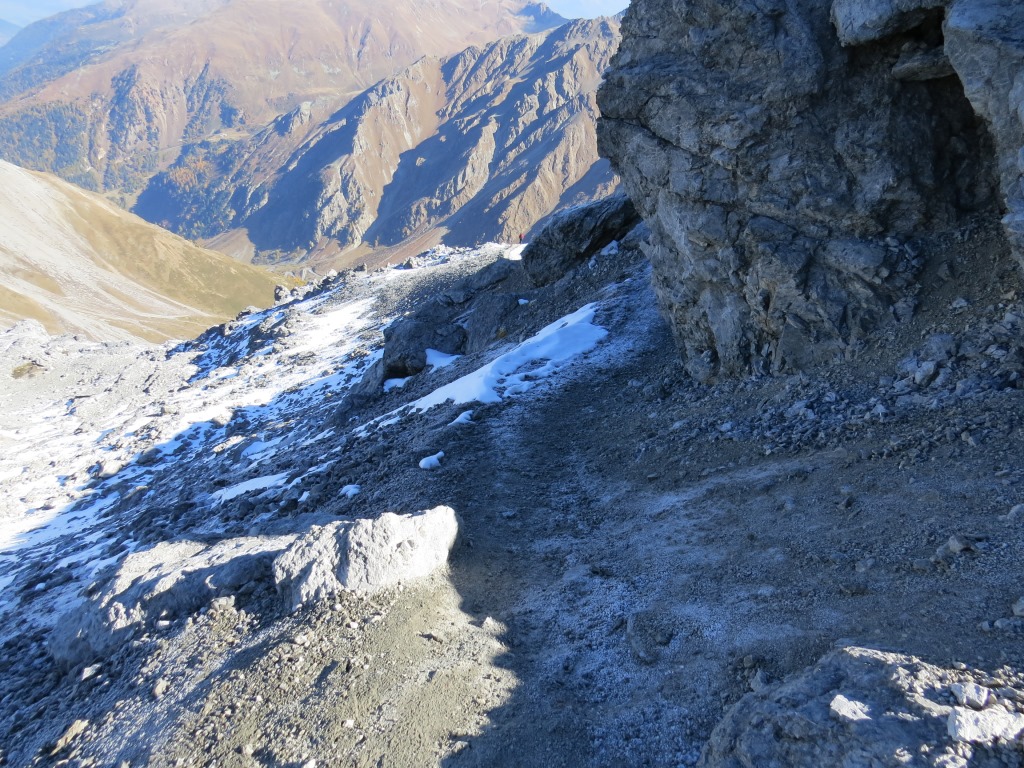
[
  {"x": 108, "y": 95},
  {"x": 78, "y": 264},
  {"x": 379, "y": 149},
  {"x": 722, "y": 469},
  {"x": 478, "y": 146}
]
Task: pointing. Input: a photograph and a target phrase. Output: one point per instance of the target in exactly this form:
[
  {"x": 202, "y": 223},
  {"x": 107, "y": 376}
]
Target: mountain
[
  {"x": 7, "y": 31},
  {"x": 476, "y": 146},
  {"x": 107, "y": 95},
  {"x": 216, "y": 553},
  {"x": 79, "y": 264}
]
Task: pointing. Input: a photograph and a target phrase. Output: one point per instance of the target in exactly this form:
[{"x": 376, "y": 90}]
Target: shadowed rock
[
  {"x": 576, "y": 234},
  {"x": 407, "y": 340},
  {"x": 167, "y": 582},
  {"x": 985, "y": 44}
]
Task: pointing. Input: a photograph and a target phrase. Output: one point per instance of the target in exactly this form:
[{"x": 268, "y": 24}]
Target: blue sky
[
  {"x": 574, "y": 9},
  {"x": 24, "y": 11}
]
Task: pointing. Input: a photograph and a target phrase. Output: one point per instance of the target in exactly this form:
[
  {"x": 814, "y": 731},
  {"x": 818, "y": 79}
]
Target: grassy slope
[{"x": 125, "y": 273}]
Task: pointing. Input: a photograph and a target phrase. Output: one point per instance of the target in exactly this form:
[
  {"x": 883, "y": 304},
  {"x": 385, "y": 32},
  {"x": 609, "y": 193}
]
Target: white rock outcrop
[{"x": 365, "y": 555}]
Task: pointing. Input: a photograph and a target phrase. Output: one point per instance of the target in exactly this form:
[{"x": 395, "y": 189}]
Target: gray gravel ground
[{"x": 637, "y": 553}]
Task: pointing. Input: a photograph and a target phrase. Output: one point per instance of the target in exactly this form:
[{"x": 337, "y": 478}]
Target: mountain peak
[{"x": 541, "y": 17}]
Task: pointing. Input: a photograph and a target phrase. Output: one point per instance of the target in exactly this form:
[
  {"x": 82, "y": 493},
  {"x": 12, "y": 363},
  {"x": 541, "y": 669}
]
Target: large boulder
[
  {"x": 862, "y": 707},
  {"x": 788, "y": 179},
  {"x": 487, "y": 322},
  {"x": 575, "y": 234},
  {"x": 365, "y": 555},
  {"x": 407, "y": 340}
]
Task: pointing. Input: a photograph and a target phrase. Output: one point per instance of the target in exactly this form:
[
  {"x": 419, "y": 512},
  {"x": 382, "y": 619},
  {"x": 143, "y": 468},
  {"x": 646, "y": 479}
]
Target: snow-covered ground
[{"x": 89, "y": 437}]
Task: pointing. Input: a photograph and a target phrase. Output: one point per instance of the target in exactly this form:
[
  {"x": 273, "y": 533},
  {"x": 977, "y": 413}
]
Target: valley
[{"x": 233, "y": 128}]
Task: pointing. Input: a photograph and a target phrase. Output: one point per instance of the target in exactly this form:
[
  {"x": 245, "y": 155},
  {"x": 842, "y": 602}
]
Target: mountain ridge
[
  {"x": 7, "y": 31},
  {"x": 121, "y": 86},
  {"x": 477, "y": 146}
]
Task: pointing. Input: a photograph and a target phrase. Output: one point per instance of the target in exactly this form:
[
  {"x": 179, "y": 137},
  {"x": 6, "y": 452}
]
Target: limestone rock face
[
  {"x": 575, "y": 234},
  {"x": 862, "y": 21},
  {"x": 787, "y": 177},
  {"x": 985, "y": 44}
]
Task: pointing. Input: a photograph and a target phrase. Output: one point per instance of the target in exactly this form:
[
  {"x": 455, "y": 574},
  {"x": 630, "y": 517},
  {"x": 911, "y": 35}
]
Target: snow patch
[
  {"x": 256, "y": 484},
  {"x": 391, "y": 384},
  {"x": 437, "y": 359},
  {"x": 466, "y": 417},
  {"x": 519, "y": 369},
  {"x": 432, "y": 462}
]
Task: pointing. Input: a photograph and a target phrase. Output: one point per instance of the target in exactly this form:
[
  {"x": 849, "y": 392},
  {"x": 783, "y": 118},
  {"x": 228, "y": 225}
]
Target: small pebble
[{"x": 958, "y": 544}]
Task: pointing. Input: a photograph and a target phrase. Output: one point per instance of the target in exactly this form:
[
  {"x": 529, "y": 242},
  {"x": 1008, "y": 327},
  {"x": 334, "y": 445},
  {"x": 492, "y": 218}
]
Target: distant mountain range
[
  {"x": 314, "y": 131},
  {"x": 79, "y": 264},
  {"x": 108, "y": 94},
  {"x": 476, "y": 146},
  {"x": 7, "y": 31}
]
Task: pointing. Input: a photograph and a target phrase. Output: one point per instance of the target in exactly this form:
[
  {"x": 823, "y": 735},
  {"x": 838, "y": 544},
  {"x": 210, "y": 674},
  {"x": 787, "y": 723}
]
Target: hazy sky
[
  {"x": 574, "y": 9},
  {"x": 24, "y": 11}
]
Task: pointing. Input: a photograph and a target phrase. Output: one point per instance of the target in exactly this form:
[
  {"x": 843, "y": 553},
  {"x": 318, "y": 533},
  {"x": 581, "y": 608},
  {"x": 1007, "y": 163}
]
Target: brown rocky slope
[
  {"x": 475, "y": 147},
  {"x": 79, "y": 264},
  {"x": 107, "y": 95}
]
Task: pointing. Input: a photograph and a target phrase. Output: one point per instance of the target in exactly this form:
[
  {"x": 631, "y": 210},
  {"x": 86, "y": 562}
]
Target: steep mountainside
[
  {"x": 186, "y": 537},
  {"x": 479, "y": 146},
  {"x": 7, "y": 31},
  {"x": 107, "y": 95},
  {"x": 79, "y": 264}
]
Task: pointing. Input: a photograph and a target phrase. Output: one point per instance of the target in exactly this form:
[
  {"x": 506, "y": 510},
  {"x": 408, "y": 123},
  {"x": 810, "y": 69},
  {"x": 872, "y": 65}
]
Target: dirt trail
[{"x": 644, "y": 593}]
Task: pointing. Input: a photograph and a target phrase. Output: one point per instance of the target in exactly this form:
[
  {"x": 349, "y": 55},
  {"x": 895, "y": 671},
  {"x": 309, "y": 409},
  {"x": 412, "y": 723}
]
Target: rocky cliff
[
  {"x": 795, "y": 160},
  {"x": 477, "y": 146},
  {"x": 107, "y": 95}
]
